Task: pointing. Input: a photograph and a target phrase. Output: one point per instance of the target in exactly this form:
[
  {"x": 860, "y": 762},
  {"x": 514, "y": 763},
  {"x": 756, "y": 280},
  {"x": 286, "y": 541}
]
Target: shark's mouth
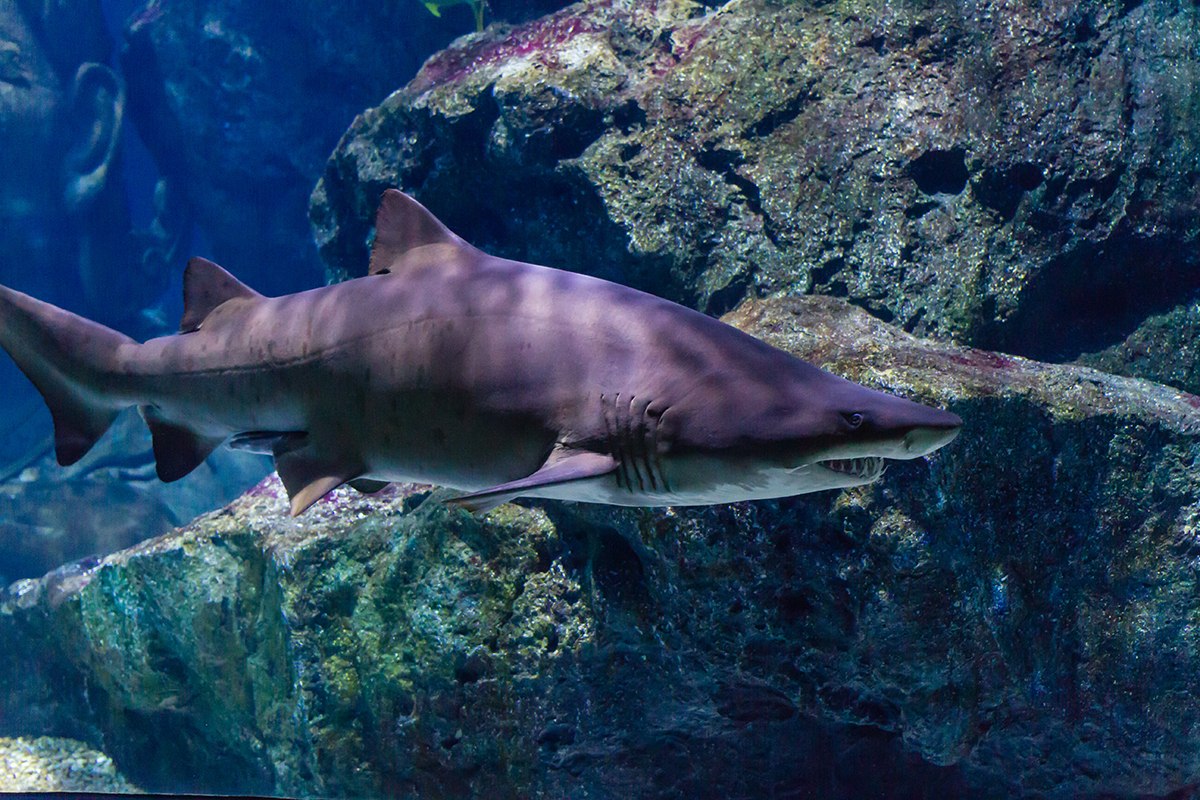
[{"x": 866, "y": 469}]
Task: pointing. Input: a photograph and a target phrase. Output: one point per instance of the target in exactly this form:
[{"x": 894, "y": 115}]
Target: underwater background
[{"x": 990, "y": 206}]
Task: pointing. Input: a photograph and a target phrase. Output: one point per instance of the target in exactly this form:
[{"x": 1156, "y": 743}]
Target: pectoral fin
[
  {"x": 308, "y": 476},
  {"x": 563, "y": 466}
]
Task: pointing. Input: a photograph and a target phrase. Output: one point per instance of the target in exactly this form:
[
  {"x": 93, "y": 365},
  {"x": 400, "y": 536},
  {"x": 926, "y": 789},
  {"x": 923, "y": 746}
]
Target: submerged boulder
[
  {"x": 1014, "y": 616},
  {"x": 109, "y": 500},
  {"x": 1018, "y": 176}
]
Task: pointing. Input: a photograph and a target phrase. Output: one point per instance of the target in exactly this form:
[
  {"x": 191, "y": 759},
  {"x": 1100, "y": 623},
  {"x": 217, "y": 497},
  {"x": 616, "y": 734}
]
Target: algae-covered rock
[
  {"x": 1165, "y": 348},
  {"x": 1019, "y": 176},
  {"x": 1013, "y": 616}
]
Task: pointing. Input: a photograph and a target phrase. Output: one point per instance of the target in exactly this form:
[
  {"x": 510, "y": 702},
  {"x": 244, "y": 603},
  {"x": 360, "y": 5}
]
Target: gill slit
[
  {"x": 632, "y": 434},
  {"x": 655, "y": 453},
  {"x": 642, "y": 436},
  {"x": 612, "y": 431},
  {"x": 632, "y": 441}
]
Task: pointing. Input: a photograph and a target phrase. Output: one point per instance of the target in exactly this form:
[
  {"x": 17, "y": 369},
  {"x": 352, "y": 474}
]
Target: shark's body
[{"x": 449, "y": 366}]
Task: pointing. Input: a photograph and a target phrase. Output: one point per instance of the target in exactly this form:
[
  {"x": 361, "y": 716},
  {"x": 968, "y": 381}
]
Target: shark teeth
[{"x": 867, "y": 469}]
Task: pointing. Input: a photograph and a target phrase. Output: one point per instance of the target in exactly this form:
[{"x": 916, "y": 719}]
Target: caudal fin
[{"x": 72, "y": 361}]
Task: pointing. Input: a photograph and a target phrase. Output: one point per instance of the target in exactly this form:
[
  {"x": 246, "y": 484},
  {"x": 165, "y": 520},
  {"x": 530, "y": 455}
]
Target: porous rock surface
[
  {"x": 1020, "y": 176},
  {"x": 1014, "y": 616}
]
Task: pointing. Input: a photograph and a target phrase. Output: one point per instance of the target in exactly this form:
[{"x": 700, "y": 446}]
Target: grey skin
[{"x": 446, "y": 365}]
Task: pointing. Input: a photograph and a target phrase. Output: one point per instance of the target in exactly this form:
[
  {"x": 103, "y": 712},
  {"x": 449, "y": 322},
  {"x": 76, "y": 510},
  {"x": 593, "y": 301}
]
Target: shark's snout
[
  {"x": 924, "y": 440},
  {"x": 935, "y": 428},
  {"x": 896, "y": 428}
]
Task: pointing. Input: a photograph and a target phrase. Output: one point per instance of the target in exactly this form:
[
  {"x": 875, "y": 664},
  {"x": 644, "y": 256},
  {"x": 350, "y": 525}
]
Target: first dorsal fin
[
  {"x": 206, "y": 286},
  {"x": 402, "y": 224}
]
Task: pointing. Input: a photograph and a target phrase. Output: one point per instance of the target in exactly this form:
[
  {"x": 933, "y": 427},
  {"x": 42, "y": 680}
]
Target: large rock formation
[
  {"x": 1018, "y": 175},
  {"x": 1014, "y": 616}
]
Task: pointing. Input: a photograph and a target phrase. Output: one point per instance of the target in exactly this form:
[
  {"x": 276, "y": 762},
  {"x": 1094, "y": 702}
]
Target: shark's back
[{"x": 520, "y": 337}]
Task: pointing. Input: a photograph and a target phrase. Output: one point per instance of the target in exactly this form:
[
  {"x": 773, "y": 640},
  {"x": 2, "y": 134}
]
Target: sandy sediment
[{"x": 46, "y": 764}]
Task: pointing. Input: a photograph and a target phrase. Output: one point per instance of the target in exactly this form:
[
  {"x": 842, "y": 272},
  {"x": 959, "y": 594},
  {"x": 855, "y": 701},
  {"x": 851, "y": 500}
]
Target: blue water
[{"x": 41, "y": 253}]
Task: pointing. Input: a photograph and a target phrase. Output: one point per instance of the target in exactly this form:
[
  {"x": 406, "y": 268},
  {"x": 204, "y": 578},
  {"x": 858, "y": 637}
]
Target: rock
[
  {"x": 1020, "y": 177},
  {"x": 1013, "y": 616},
  {"x": 241, "y": 103},
  {"x": 1165, "y": 348},
  {"x": 57, "y": 765},
  {"x": 111, "y": 499},
  {"x": 44, "y": 523}
]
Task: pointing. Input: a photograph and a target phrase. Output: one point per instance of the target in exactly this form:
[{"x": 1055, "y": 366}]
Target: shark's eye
[{"x": 853, "y": 418}]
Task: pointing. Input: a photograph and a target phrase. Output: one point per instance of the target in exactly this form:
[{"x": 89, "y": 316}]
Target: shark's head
[
  {"x": 851, "y": 432},
  {"x": 819, "y": 432}
]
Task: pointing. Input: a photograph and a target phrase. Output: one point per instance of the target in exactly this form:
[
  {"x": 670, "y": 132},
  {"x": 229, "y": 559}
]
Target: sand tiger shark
[{"x": 446, "y": 365}]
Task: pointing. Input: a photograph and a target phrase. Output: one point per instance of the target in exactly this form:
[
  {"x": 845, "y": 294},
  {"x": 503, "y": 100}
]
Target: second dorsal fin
[
  {"x": 403, "y": 224},
  {"x": 206, "y": 286}
]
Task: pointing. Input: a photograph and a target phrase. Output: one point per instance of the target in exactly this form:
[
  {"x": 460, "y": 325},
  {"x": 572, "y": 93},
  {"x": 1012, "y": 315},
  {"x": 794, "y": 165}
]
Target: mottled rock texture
[
  {"x": 57, "y": 765},
  {"x": 1015, "y": 616},
  {"x": 1165, "y": 348},
  {"x": 241, "y": 103},
  {"x": 1020, "y": 176}
]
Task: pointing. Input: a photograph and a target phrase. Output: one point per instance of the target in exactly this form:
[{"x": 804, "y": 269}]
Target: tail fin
[{"x": 72, "y": 362}]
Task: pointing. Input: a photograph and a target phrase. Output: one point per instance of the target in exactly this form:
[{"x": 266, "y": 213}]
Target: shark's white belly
[{"x": 693, "y": 481}]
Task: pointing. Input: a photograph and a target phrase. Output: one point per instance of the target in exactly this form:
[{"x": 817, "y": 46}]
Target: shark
[{"x": 445, "y": 365}]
